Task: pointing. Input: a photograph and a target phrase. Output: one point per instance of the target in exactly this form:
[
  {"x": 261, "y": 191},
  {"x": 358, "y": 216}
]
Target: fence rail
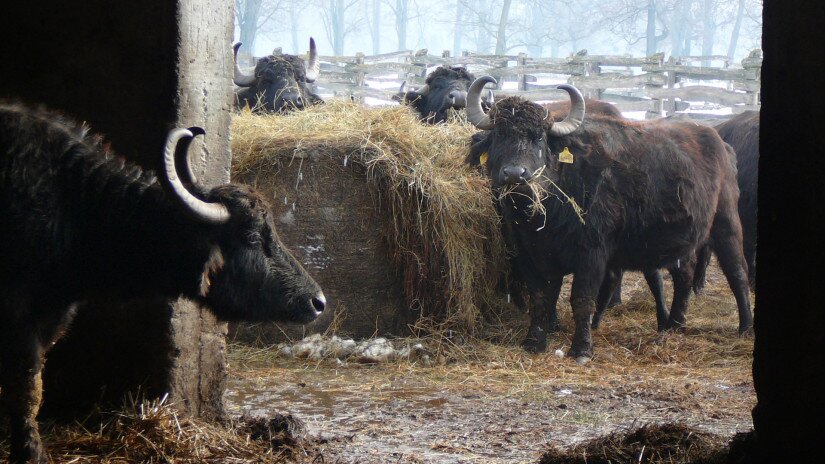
[{"x": 650, "y": 84}]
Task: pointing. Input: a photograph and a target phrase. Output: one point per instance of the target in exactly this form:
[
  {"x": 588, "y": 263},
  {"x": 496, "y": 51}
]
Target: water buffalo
[
  {"x": 80, "y": 223},
  {"x": 741, "y": 132},
  {"x": 279, "y": 82},
  {"x": 621, "y": 195},
  {"x": 444, "y": 89}
]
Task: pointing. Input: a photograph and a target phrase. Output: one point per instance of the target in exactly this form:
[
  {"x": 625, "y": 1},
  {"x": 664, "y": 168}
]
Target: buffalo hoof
[
  {"x": 746, "y": 332},
  {"x": 597, "y": 320},
  {"x": 582, "y": 360},
  {"x": 534, "y": 346},
  {"x": 579, "y": 353},
  {"x": 677, "y": 327},
  {"x": 535, "y": 342}
]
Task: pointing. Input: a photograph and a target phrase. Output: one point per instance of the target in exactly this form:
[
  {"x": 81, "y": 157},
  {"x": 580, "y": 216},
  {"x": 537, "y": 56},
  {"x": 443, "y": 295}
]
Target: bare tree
[
  {"x": 458, "y": 29},
  {"x": 336, "y": 24},
  {"x": 501, "y": 32},
  {"x": 375, "y": 27},
  {"x": 252, "y": 17}
]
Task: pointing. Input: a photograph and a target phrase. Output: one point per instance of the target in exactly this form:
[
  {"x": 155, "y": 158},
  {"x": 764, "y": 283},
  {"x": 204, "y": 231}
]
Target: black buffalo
[
  {"x": 445, "y": 89},
  {"x": 280, "y": 83},
  {"x": 81, "y": 223},
  {"x": 636, "y": 195},
  {"x": 741, "y": 132}
]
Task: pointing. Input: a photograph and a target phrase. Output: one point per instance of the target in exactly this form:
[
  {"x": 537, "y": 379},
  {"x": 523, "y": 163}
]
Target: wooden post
[
  {"x": 522, "y": 78},
  {"x": 360, "y": 76}
]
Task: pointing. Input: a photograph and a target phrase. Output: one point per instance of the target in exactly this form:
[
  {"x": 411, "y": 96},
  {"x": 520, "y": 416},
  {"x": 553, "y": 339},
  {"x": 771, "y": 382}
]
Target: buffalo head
[
  {"x": 523, "y": 139},
  {"x": 444, "y": 89},
  {"x": 279, "y": 83},
  {"x": 250, "y": 274}
]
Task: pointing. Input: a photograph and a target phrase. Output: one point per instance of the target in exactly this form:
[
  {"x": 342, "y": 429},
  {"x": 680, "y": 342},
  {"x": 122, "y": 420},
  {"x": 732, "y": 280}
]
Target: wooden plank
[
  {"x": 617, "y": 81},
  {"x": 702, "y": 72},
  {"x": 703, "y": 93}
]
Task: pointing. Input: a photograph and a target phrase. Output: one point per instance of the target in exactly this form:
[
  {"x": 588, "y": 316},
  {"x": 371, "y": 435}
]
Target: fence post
[
  {"x": 522, "y": 78},
  {"x": 445, "y": 54},
  {"x": 360, "y": 76}
]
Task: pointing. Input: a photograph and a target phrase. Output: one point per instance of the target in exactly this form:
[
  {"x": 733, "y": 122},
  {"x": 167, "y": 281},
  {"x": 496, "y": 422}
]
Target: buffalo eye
[{"x": 253, "y": 237}]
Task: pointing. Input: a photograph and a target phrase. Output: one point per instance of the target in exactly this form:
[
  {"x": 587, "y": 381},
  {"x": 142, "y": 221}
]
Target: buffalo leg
[
  {"x": 657, "y": 288},
  {"x": 616, "y": 295},
  {"x": 21, "y": 384},
  {"x": 700, "y": 274},
  {"x": 607, "y": 292},
  {"x": 543, "y": 315},
  {"x": 732, "y": 261},
  {"x": 587, "y": 281},
  {"x": 682, "y": 286}
]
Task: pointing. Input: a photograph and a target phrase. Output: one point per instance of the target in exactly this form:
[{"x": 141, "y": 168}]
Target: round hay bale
[{"x": 382, "y": 211}]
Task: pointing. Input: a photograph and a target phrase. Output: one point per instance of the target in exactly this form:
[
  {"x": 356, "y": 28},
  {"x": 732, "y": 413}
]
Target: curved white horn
[
  {"x": 241, "y": 79},
  {"x": 212, "y": 213},
  {"x": 313, "y": 67},
  {"x": 475, "y": 113},
  {"x": 575, "y": 117}
]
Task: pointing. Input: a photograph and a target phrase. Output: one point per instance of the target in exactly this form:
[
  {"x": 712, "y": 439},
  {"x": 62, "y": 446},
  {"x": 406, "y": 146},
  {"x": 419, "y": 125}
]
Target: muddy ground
[{"x": 492, "y": 403}]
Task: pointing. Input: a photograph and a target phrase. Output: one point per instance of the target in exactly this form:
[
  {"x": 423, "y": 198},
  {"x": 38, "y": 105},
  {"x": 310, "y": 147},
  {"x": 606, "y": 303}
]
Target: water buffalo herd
[{"x": 79, "y": 222}]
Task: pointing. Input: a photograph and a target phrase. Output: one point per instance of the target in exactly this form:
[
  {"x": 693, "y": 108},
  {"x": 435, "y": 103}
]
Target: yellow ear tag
[
  {"x": 565, "y": 156},
  {"x": 482, "y": 159}
]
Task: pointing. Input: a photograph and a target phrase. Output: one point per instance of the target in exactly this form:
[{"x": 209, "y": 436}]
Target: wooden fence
[{"x": 649, "y": 84}]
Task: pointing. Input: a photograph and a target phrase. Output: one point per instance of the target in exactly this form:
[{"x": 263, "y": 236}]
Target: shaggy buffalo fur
[
  {"x": 281, "y": 86},
  {"x": 434, "y": 106},
  {"x": 81, "y": 223},
  {"x": 742, "y": 133},
  {"x": 639, "y": 195}
]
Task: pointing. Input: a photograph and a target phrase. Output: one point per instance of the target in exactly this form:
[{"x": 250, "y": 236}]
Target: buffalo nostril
[
  {"x": 319, "y": 302},
  {"x": 515, "y": 174}
]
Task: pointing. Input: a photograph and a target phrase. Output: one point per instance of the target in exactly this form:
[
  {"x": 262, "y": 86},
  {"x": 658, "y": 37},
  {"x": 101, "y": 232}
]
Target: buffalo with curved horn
[
  {"x": 279, "y": 83},
  {"x": 621, "y": 195},
  {"x": 445, "y": 89},
  {"x": 80, "y": 223}
]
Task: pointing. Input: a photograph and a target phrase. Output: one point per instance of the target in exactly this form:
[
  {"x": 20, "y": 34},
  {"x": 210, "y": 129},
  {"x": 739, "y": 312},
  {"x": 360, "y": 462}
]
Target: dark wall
[
  {"x": 789, "y": 353},
  {"x": 108, "y": 62}
]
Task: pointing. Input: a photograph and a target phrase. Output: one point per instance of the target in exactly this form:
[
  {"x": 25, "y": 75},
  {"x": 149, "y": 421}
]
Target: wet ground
[{"x": 504, "y": 406}]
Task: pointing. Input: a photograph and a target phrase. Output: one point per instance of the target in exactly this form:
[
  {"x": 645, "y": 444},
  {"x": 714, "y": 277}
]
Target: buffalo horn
[
  {"x": 424, "y": 90},
  {"x": 475, "y": 113},
  {"x": 241, "y": 79},
  {"x": 575, "y": 117},
  {"x": 314, "y": 65},
  {"x": 212, "y": 213}
]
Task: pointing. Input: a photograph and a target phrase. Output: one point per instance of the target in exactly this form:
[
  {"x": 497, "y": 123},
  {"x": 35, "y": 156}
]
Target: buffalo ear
[
  {"x": 480, "y": 145},
  {"x": 409, "y": 96}
]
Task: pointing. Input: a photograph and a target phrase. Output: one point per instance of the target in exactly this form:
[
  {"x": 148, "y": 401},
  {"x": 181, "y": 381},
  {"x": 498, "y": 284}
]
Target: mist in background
[{"x": 548, "y": 28}]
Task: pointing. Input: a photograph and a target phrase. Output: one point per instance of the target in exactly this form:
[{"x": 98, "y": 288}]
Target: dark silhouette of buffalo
[
  {"x": 81, "y": 223},
  {"x": 280, "y": 83},
  {"x": 445, "y": 89},
  {"x": 622, "y": 195}
]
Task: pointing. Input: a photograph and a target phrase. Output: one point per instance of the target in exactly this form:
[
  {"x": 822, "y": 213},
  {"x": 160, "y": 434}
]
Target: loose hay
[
  {"x": 152, "y": 432},
  {"x": 649, "y": 444},
  {"x": 438, "y": 216}
]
